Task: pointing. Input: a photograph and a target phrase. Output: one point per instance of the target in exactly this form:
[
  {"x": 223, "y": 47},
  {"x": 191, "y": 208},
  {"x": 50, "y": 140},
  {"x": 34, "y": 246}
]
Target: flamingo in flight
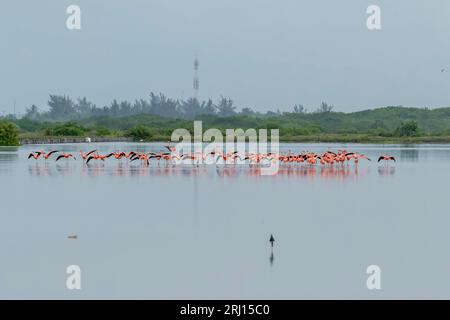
[
  {"x": 117, "y": 155},
  {"x": 65, "y": 156},
  {"x": 357, "y": 156},
  {"x": 130, "y": 154},
  {"x": 171, "y": 148},
  {"x": 37, "y": 154},
  {"x": 86, "y": 155},
  {"x": 386, "y": 157},
  {"x": 98, "y": 157}
]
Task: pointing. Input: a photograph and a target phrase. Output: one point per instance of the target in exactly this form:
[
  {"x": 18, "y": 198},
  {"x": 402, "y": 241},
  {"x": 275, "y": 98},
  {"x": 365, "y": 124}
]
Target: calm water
[{"x": 188, "y": 232}]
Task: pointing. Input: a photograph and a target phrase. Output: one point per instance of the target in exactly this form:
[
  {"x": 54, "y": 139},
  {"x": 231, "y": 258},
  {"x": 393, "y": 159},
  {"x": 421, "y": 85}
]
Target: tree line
[{"x": 64, "y": 108}]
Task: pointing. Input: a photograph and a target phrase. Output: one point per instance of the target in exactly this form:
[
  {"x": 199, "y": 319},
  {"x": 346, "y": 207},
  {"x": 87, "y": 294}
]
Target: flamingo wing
[
  {"x": 89, "y": 159},
  {"x": 90, "y": 152},
  {"x": 51, "y": 152}
]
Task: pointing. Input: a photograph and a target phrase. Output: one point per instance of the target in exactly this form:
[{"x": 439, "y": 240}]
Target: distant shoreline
[
  {"x": 389, "y": 125},
  {"x": 322, "y": 138}
]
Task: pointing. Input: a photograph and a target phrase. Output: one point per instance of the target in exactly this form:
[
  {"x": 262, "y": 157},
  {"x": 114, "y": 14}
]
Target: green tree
[
  {"x": 61, "y": 108},
  {"x": 32, "y": 113},
  {"x": 84, "y": 107},
  {"x": 139, "y": 132},
  {"x": 9, "y": 135},
  {"x": 66, "y": 129},
  {"x": 208, "y": 107},
  {"x": 102, "y": 131},
  {"x": 299, "y": 108},
  {"x": 324, "y": 108},
  {"x": 226, "y": 107},
  {"x": 407, "y": 129},
  {"x": 191, "y": 108},
  {"x": 115, "y": 108},
  {"x": 247, "y": 111}
]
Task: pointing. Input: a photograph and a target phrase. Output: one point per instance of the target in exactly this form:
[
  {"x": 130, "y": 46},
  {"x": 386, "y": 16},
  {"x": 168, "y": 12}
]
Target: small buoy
[{"x": 72, "y": 236}]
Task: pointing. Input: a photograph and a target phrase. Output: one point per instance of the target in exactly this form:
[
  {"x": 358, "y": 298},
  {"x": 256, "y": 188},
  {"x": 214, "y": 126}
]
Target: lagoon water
[{"x": 189, "y": 232}]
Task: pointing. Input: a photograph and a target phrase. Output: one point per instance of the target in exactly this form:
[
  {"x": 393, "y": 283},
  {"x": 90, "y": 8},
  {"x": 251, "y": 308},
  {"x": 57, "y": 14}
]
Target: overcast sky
[{"x": 264, "y": 54}]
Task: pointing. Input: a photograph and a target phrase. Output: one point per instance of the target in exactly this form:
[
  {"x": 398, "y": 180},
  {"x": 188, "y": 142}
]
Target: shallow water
[{"x": 202, "y": 232}]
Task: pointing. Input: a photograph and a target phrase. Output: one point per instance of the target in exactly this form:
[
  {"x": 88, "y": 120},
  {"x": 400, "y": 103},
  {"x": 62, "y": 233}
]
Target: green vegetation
[
  {"x": 102, "y": 131},
  {"x": 156, "y": 118},
  {"x": 66, "y": 129},
  {"x": 139, "y": 132},
  {"x": 9, "y": 135},
  {"x": 407, "y": 129}
]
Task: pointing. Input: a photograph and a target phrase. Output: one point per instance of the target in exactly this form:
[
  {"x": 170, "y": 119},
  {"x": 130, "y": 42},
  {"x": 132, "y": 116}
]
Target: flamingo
[
  {"x": 170, "y": 148},
  {"x": 145, "y": 157},
  {"x": 357, "y": 156},
  {"x": 117, "y": 155},
  {"x": 65, "y": 156},
  {"x": 98, "y": 157},
  {"x": 386, "y": 158},
  {"x": 130, "y": 154},
  {"x": 48, "y": 155},
  {"x": 35, "y": 156},
  {"x": 85, "y": 156}
]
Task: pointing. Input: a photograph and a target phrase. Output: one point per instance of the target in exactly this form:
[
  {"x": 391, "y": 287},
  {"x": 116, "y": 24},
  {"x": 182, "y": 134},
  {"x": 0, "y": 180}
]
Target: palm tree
[{"x": 225, "y": 107}]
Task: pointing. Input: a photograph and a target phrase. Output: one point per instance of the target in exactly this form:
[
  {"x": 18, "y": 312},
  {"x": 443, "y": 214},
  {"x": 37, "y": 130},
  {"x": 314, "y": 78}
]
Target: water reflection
[
  {"x": 64, "y": 169},
  {"x": 8, "y": 157},
  {"x": 386, "y": 170},
  {"x": 409, "y": 154},
  {"x": 40, "y": 169},
  {"x": 198, "y": 207},
  {"x": 122, "y": 169}
]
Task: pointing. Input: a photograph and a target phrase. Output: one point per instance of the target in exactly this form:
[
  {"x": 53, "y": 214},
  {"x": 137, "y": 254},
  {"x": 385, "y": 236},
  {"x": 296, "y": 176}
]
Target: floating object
[{"x": 72, "y": 236}]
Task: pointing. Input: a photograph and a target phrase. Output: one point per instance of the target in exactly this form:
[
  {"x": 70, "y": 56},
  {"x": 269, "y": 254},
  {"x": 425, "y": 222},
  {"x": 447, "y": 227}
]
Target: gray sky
[{"x": 264, "y": 54}]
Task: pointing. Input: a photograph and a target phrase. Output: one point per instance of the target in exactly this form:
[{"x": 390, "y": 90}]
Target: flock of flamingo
[{"x": 311, "y": 158}]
